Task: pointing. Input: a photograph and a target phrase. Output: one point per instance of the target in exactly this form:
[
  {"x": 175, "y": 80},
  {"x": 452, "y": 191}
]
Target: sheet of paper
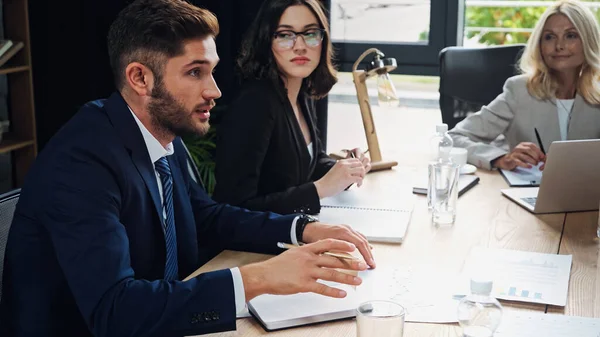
[
  {"x": 523, "y": 176},
  {"x": 520, "y": 276},
  {"x": 422, "y": 295},
  {"x": 528, "y": 324}
]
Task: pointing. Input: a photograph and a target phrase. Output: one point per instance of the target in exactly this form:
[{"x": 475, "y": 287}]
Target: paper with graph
[
  {"x": 527, "y": 324},
  {"x": 520, "y": 276},
  {"x": 424, "y": 298}
]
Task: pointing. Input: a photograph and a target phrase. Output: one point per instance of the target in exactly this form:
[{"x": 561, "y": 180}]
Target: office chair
[
  {"x": 473, "y": 77},
  {"x": 8, "y": 201}
]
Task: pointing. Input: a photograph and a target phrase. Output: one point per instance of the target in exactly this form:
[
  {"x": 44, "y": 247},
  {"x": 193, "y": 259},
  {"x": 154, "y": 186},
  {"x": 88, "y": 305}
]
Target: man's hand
[
  {"x": 298, "y": 269},
  {"x": 523, "y": 155},
  {"x": 316, "y": 231}
]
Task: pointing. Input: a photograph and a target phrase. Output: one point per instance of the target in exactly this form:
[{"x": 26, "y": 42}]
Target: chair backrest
[
  {"x": 473, "y": 77},
  {"x": 8, "y": 202}
]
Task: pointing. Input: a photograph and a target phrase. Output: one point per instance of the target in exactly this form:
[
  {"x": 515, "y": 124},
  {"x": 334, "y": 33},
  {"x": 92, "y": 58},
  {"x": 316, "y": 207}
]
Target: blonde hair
[{"x": 541, "y": 82}]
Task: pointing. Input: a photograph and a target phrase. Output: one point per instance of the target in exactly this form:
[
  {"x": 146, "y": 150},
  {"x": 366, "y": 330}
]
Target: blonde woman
[{"x": 557, "y": 94}]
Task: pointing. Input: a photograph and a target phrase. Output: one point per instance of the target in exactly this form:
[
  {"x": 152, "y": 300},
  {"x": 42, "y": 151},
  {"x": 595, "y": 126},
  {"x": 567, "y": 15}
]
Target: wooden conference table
[{"x": 484, "y": 218}]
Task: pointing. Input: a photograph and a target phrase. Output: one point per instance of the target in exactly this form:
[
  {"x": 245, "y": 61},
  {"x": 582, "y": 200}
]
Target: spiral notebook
[{"x": 380, "y": 219}]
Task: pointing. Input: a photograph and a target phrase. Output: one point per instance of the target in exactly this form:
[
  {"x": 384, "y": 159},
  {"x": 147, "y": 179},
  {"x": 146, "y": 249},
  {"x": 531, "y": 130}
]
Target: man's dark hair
[
  {"x": 152, "y": 31},
  {"x": 256, "y": 60}
]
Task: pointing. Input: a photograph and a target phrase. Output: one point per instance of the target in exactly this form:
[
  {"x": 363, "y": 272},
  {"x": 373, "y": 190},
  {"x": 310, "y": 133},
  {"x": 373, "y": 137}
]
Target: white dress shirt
[{"x": 157, "y": 151}]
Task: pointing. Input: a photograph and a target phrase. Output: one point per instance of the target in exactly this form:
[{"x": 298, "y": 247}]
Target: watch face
[{"x": 311, "y": 218}]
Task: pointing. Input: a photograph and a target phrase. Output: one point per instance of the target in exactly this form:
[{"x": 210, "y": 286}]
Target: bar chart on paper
[
  {"x": 516, "y": 292},
  {"x": 523, "y": 276}
]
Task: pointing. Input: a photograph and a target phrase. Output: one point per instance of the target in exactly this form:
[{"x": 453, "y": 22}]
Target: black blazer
[{"x": 262, "y": 158}]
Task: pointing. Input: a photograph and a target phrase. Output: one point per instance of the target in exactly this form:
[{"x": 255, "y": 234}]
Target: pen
[
  {"x": 339, "y": 255},
  {"x": 537, "y": 135},
  {"x": 352, "y": 155}
]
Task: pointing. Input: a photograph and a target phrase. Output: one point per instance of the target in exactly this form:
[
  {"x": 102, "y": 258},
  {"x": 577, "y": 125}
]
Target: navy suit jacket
[{"x": 86, "y": 251}]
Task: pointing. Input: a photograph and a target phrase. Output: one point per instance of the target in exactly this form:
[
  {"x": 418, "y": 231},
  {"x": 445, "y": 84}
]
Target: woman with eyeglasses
[
  {"x": 556, "y": 98},
  {"x": 269, "y": 156}
]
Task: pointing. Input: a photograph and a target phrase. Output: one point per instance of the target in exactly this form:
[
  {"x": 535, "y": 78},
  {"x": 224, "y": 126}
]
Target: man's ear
[{"x": 140, "y": 78}]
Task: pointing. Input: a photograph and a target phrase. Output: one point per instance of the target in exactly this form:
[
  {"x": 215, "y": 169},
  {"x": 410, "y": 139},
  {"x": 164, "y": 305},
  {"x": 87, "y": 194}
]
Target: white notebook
[
  {"x": 379, "y": 219},
  {"x": 520, "y": 177},
  {"x": 276, "y": 312}
]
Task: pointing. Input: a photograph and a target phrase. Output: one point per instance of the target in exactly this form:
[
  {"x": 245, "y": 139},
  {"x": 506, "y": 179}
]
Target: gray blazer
[{"x": 514, "y": 114}]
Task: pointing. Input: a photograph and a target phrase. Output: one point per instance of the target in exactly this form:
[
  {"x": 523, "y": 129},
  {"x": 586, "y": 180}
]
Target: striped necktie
[{"x": 164, "y": 171}]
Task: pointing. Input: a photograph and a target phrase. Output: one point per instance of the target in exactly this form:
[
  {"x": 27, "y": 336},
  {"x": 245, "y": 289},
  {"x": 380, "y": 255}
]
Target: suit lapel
[
  {"x": 297, "y": 137},
  {"x": 547, "y": 123},
  {"x": 577, "y": 115},
  {"x": 128, "y": 130},
  {"x": 306, "y": 111}
]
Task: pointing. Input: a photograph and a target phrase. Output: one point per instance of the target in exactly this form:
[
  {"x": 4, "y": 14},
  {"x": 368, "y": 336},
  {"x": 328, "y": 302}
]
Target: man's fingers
[
  {"x": 320, "y": 288},
  {"x": 322, "y": 246},
  {"x": 340, "y": 263},
  {"x": 333, "y": 275},
  {"x": 360, "y": 241}
]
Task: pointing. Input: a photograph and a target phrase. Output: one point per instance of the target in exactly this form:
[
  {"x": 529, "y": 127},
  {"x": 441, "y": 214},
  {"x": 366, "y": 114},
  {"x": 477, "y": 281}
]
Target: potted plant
[{"x": 202, "y": 149}]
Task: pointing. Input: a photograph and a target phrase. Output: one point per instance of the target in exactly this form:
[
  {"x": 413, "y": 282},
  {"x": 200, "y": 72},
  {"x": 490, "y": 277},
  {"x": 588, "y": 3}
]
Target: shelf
[
  {"x": 10, "y": 70},
  {"x": 7, "y": 145}
]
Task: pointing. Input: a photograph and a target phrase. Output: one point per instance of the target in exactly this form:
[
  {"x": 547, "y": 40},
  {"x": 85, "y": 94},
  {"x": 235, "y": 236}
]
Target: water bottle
[
  {"x": 440, "y": 143},
  {"x": 440, "y": 146},
  {"x": 442, "y": 187},
  {"x": 479, "y": 314}
]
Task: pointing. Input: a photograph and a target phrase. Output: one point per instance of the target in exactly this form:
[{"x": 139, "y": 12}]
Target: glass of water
[
  {"x": 380, "y": 319},
  {"x": 443, "y": 181}
]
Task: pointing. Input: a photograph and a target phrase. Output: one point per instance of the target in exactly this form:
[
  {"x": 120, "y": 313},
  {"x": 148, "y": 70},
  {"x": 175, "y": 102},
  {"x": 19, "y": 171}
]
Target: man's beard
[{"x": 170, "y": 116}]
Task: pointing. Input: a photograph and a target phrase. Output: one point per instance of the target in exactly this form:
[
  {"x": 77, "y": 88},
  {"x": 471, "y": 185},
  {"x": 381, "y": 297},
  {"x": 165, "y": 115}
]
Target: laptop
[{"x": 570, "y": 180}]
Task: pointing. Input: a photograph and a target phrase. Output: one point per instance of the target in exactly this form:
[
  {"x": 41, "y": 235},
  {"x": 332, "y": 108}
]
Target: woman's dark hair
[{"x": 256, "y": 60}]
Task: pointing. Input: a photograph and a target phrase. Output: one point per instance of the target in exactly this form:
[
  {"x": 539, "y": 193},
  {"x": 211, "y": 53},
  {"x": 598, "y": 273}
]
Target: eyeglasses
[{"x": 286, "y": 39}]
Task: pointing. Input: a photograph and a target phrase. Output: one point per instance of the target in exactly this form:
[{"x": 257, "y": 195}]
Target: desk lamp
[{"x": 386, "y": 93}]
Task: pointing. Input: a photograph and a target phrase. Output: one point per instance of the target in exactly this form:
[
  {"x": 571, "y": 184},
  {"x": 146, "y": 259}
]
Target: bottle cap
[
  {"x": 441, "y": 128},
  {"x": 481, "y": 286}
]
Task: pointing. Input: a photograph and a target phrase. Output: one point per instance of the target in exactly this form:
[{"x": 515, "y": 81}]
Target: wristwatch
[{"x": 303, "y": 220}]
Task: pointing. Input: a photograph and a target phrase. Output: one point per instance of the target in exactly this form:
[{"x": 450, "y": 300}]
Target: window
[
  {"x": 498, "y": 22},
  {"x": 349, "y": 19},
  {"x": 411, "y": 31}
]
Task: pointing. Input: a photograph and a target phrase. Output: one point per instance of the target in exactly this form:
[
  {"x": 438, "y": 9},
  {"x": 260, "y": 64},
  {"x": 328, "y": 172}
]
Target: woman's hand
[{"x": 524, "y": 155}]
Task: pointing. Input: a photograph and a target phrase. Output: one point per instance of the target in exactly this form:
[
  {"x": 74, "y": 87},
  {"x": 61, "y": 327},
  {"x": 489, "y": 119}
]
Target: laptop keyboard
[{"x": 530, "y": 201}]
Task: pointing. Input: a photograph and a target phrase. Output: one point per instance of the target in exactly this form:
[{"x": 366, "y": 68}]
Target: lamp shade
[{"x": 386, "y": 92}]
